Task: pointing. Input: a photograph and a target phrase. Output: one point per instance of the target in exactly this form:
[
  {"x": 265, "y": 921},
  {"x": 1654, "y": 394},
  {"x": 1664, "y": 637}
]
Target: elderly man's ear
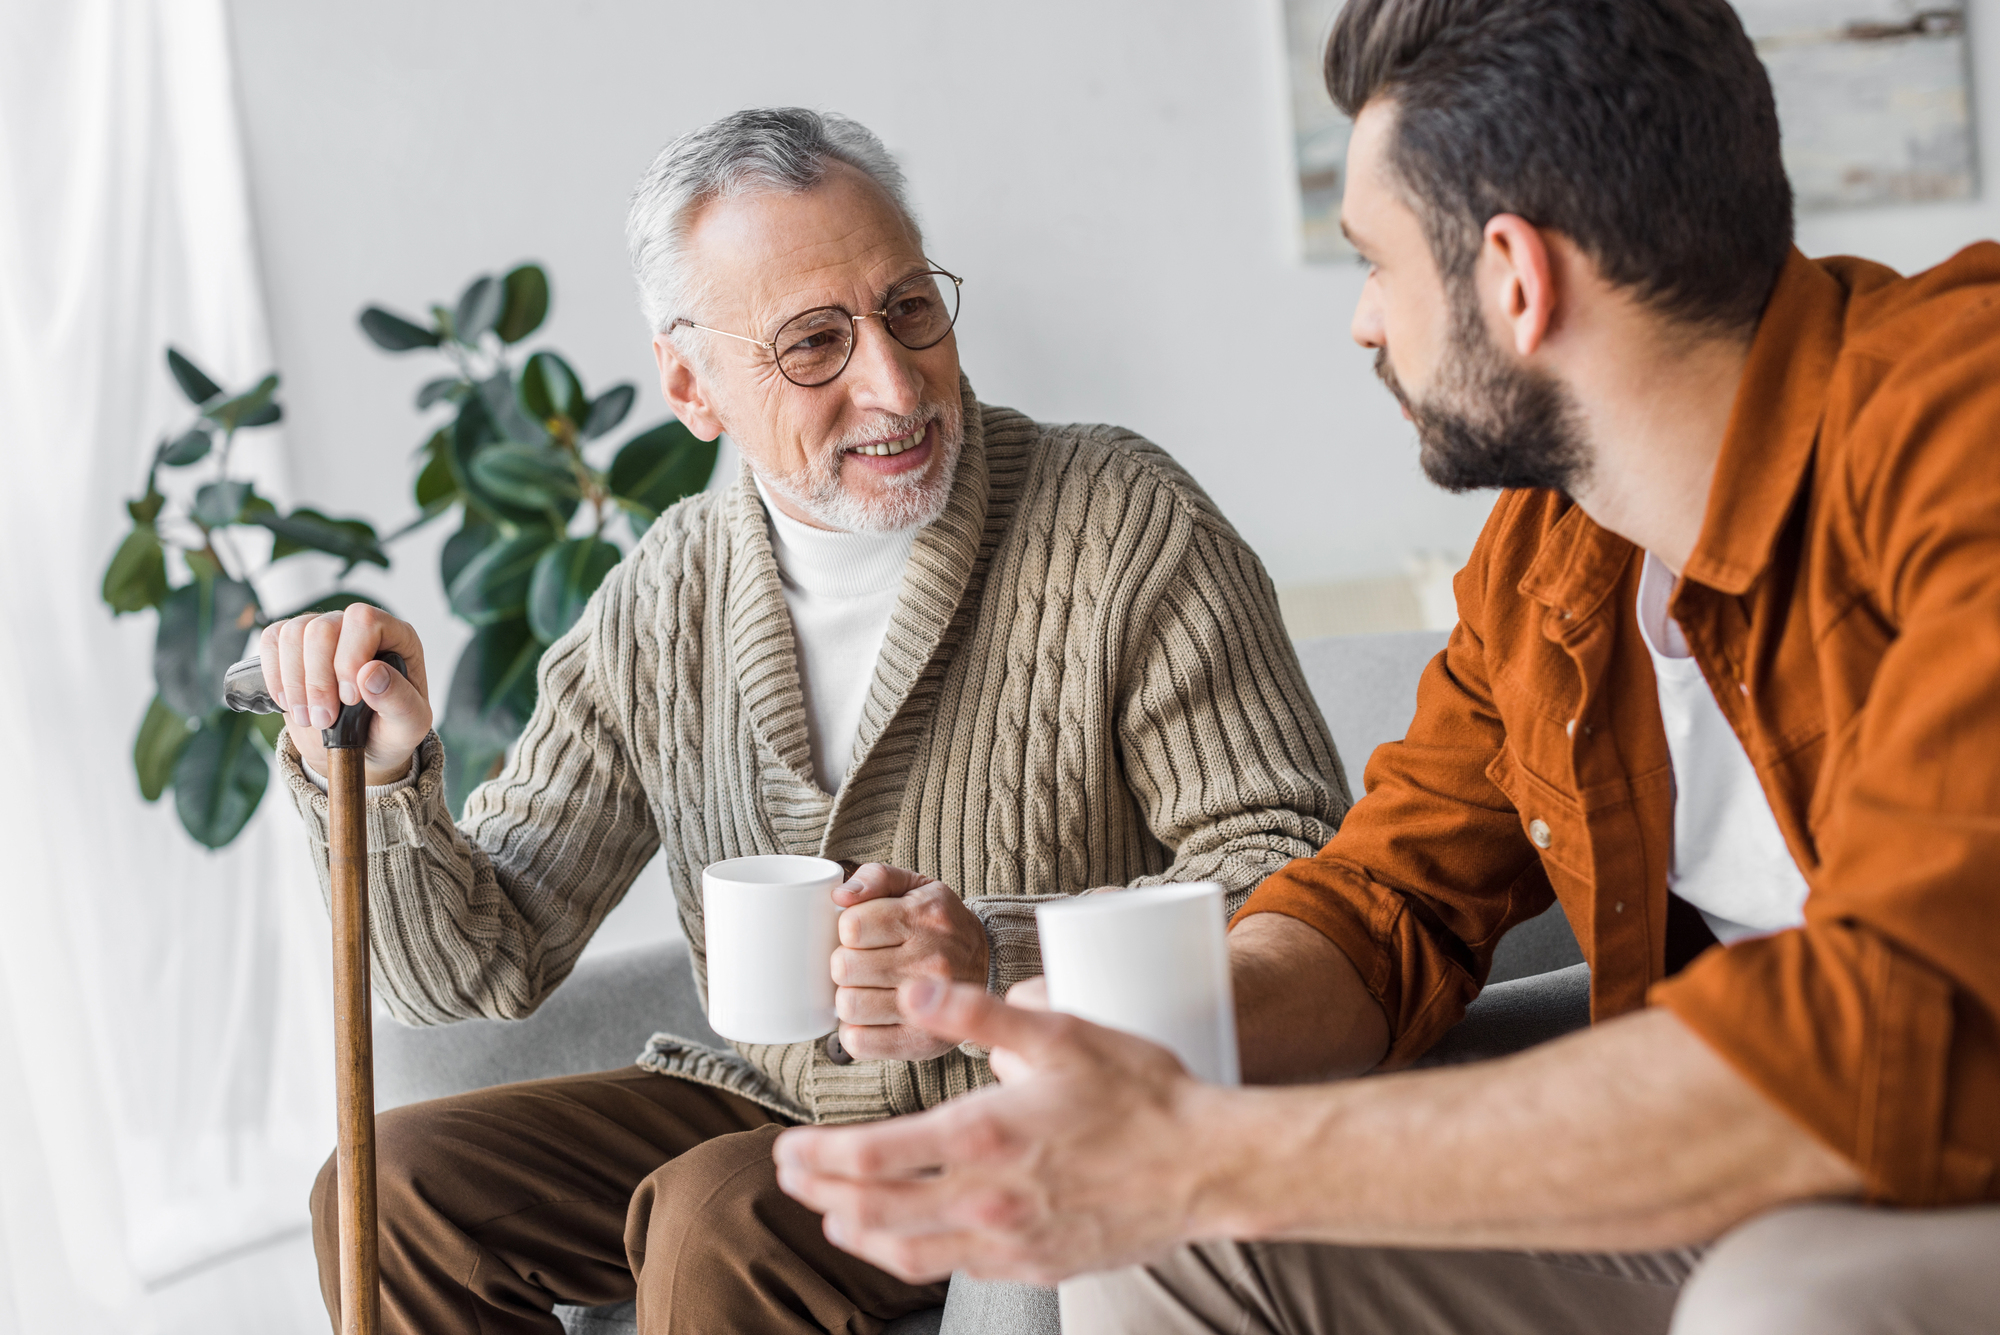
[{"x": 683, "y": 390}]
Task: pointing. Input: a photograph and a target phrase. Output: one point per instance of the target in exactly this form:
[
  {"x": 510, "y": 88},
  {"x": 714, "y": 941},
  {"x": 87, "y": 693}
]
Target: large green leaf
[
  {"x": 263, "y": 416},
  {"x": 492, "y": 694},
  {"x": 565, "y": 577},
  {"x": 548, "y": 389},
  {"x": 526, "y": 304},
  {"x": 493, "y": 586},
  {"x": 189, "y": 447},
  {"x": 220, "y": 777},
  {"x": 472, "y": 538},
  {"x": 470, "y": 759},
  {"x": 437, "y": 485},
  {"x": 503, "y": 407},
  {"x": 268, "y": 727},
  {"x": 203, "y": 626},
  {"x": 475, "y": 432},
  {"x": 220, "y": 503},
  {"x": 392, "y": 333},
  {"x": 478, "y": 307},
  {"x": 162, "y": 736},
  {"x": 444, "y": 387},
  {"x": 533, "y": 476},
  {"x": 656, "y": 468},
  {"x": 238, "y": 412},
  {"x": 194, "y": 383},
  {"x": 307, "y": 530},
  {"x": 471, "y": 431},
  {"x": 608, "y": 410},
  {"x": 137, "y": 576}
]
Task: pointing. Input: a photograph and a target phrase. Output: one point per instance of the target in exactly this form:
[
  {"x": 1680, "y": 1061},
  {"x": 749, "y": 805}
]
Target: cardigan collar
[{"x": 941, "y": 565}]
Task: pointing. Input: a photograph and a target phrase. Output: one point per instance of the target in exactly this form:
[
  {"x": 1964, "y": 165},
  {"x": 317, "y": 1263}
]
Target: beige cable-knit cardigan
[{"x": 1085, "y": 683}]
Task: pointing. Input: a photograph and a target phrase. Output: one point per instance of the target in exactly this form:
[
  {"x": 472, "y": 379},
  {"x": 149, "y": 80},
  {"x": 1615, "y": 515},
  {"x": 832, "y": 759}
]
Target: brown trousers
[{"x": 595, "y": 1189}]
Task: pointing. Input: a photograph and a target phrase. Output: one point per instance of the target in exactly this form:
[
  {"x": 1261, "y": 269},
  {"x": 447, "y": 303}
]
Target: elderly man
[
  {"x": 1723, "y": 682},
  {"x": 917, "y": 632}
]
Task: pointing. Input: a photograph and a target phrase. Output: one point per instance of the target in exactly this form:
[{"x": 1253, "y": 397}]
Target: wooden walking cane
[{"x": 353, "y": 1035}]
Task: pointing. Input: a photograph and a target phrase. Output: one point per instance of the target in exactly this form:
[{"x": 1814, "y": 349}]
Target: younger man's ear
[
  {"x": 681, "y": 387},
  {"x": 1516, "y": 279}
]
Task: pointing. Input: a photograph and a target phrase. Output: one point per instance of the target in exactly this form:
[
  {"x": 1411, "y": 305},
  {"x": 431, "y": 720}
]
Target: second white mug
[{"x": 1152, "y": 961}]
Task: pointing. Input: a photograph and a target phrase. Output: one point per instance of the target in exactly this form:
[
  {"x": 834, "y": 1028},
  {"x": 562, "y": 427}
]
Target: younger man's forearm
[{"x": 1633, "y": 1136}]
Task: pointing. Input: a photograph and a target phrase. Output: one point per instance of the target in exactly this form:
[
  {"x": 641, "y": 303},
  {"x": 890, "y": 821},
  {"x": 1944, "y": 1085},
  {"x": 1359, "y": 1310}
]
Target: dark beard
[{"x": 1491, "y": 423}]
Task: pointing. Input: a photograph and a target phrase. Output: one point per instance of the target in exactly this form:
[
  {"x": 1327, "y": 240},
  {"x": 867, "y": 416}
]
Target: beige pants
[{"x": 1808, "y": 1270}]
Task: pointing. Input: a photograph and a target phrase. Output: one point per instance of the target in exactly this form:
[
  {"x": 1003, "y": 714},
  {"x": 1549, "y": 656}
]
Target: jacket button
[
  {"x": 1538, "y": 832},
  {"x": 1569, "y": 728}
]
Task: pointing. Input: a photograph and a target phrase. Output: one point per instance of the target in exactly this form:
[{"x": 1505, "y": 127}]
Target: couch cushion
[
  {"x": 1514, "y": 1016},
  {"x": 1366, "y": 685}
]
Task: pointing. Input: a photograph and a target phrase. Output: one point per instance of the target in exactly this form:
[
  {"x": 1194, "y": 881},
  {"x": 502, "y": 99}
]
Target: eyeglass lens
[{"x": 813, "y": 348}]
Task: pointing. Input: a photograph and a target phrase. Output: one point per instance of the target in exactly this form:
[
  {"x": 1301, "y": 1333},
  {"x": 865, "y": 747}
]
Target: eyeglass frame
[{"x": 771, "y": 344}]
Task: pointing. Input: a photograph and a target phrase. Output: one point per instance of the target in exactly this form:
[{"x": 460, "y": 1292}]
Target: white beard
[{"x": 910, "y": 500}]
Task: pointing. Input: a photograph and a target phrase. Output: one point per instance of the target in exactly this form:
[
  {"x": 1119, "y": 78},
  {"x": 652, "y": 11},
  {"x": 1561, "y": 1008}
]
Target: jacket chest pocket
[{"x": 1552, "y": 819}]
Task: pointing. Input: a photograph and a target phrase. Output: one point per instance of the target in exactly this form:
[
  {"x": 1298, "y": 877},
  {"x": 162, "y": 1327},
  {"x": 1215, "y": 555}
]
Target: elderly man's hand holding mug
[{"x": 897, "y": 926}]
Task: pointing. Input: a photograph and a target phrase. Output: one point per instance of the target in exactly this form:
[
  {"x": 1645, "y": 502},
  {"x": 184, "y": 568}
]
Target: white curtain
[{"x": 165, "y": 1064}]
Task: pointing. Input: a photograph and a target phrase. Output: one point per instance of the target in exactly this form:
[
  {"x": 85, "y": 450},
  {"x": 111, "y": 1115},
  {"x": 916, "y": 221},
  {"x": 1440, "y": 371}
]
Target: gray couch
[{"x": 602, "y": 1015}]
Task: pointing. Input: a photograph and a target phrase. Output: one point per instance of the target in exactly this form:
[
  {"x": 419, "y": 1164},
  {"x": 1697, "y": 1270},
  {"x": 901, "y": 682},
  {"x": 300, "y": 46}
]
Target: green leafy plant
[
  {"x": 215, "y": 761},
  {"x": 521, "y": 456}
]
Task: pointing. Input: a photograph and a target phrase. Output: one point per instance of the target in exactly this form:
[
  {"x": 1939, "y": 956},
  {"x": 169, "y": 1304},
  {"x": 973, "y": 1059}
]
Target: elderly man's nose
[{"x": 883, "y": 371}]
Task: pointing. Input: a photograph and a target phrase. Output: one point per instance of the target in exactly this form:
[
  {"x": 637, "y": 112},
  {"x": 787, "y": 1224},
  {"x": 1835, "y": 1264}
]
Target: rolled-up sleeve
[{"x": 1431, "y": 867}]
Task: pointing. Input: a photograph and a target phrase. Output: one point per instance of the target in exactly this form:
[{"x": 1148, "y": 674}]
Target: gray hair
[{"x": 778, "y": 149}]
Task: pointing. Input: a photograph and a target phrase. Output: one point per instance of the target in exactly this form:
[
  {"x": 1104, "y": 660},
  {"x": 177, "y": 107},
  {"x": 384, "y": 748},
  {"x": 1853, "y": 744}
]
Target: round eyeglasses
[{"x": 814, "y": 346}]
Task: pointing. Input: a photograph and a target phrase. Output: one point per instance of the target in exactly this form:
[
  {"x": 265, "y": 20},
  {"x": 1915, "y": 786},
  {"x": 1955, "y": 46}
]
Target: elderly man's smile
[{"x": 896, "y": 454}]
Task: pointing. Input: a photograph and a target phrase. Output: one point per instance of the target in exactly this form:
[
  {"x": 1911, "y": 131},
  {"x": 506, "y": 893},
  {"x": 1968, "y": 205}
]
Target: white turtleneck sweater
[{"x": 841, "y": 590}]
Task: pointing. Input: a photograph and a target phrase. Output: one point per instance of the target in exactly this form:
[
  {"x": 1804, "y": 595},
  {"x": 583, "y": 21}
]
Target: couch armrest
[{"x": 598, "y": 1019}]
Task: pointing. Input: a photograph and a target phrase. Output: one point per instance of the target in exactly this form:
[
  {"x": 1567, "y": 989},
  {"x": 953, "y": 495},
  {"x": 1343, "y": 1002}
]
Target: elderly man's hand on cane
[
  {"x": 315, "y": 664},
  {"x": 1079, "y": 1161}
]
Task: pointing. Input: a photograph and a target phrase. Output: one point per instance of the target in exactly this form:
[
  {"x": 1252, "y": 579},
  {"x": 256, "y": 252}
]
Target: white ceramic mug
[
  {"x": 1153, "y": 962},
  {"x": 772, "y": 928}
]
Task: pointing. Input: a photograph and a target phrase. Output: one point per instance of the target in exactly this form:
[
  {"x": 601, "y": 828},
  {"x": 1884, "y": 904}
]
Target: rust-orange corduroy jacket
[{"x": 1844, "y": 604}]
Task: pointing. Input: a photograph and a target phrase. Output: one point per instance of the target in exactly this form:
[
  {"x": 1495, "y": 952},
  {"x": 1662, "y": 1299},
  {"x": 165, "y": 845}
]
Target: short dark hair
[{"x": 1644, "y": 130}]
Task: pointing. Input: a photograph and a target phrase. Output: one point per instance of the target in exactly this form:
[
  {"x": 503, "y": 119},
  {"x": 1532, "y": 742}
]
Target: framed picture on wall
[{"x": 1874, "y": 98}]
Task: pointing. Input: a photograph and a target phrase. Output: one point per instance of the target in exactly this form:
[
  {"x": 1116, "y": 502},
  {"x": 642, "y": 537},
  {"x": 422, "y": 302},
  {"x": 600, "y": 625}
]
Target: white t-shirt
[
  {"x": 841, "y": 591},
  {"x": 1729, "y": 859}
]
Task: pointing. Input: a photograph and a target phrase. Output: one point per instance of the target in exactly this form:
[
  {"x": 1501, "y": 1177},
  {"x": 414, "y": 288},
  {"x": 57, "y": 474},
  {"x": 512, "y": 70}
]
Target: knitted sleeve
[{"x": 483, "y": 918}]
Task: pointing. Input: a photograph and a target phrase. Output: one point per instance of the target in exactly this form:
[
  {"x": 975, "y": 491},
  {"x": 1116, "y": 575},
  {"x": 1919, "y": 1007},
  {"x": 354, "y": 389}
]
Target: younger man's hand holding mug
[{"x": 896, "y": 925}]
